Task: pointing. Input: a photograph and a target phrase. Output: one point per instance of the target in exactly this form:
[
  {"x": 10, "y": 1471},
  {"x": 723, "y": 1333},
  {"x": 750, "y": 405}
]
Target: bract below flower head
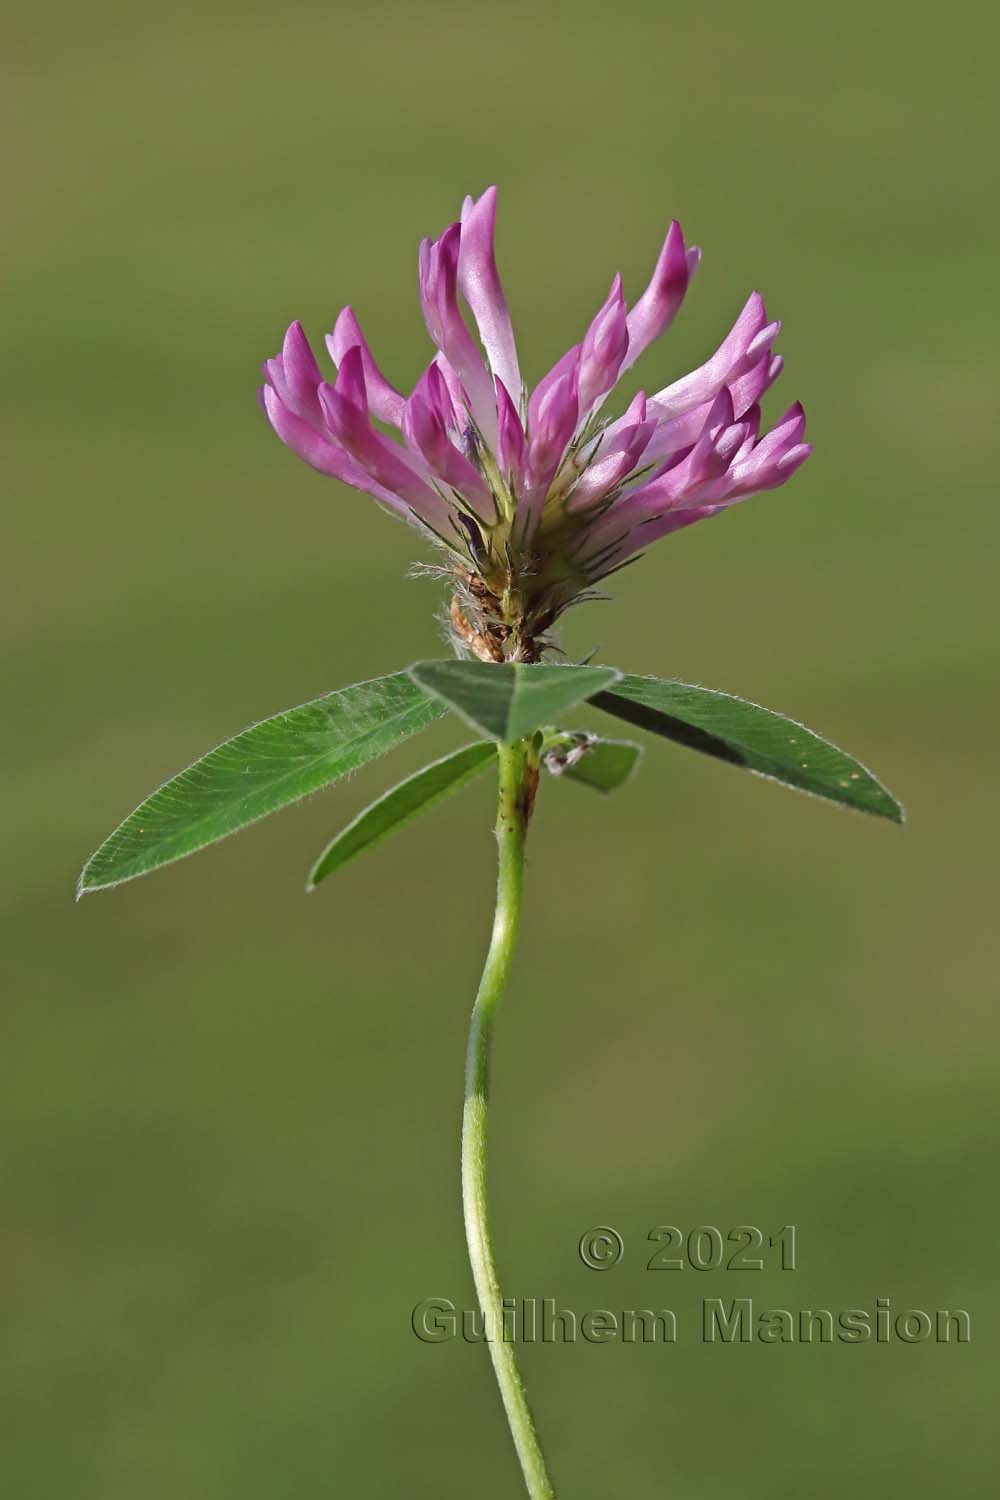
[{"x": 535, "y": 496}]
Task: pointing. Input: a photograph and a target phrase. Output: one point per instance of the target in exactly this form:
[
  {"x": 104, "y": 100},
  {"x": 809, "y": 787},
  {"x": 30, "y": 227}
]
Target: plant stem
[{"x": 518, "y": 778}]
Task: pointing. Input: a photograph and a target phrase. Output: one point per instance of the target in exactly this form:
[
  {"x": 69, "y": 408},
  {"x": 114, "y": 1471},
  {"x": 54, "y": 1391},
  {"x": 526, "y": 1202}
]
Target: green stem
[{"x": 518, "y": 776}]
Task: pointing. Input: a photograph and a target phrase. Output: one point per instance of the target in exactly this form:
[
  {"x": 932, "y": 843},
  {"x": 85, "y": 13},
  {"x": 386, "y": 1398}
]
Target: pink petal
[
  {"x": 659, "y": 303},
  {"x": 439, "y": 297},
  {"x": 785, "y": 433},
  {"x": 345, "y": 408},
  {"x": 731, "y": 360},
  {"x": 479, "y": 282},
  {"x": 322, "y": 453},
  {"x": 552, "y": 416},
  {"x": 603, "y": 349},
  {"x": 615, "y": 457},
  {"x": 511, "y": 442},
  {"x": 460, "y": 403},
  {"x": 425, "y": 430},
  {"x": 295, "y": 375},
  {"x": 385, "y": 401},
  {"x": 681, "y": 431}
]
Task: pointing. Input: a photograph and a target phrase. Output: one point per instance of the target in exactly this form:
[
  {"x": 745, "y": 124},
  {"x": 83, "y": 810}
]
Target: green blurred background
[{"x": 230, "y": 1113}]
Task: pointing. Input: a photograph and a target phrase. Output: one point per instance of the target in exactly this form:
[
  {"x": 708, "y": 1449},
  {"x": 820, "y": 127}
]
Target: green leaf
[
  {"x": 266, "y": 767},
  {"x": 746, "y": 735},
  {"x": 604, "y": 765},
  {"x": 507, "y": 700},
  {"x": 403, "y": 803}
]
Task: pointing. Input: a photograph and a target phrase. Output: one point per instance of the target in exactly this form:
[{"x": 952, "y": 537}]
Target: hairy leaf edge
[
  {"x": 83, "y": 889},
  {"x": 443, "y": 792},
  {"x": 898, "y": 809}
]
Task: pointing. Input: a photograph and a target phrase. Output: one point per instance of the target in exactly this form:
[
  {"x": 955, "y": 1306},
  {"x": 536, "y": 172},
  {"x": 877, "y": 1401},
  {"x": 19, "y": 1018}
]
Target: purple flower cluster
[{"x": 536, "y": 495}]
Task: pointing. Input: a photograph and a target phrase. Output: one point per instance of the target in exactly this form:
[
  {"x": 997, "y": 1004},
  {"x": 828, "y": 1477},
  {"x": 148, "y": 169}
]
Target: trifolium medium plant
[{"x": 526, "y": 502}]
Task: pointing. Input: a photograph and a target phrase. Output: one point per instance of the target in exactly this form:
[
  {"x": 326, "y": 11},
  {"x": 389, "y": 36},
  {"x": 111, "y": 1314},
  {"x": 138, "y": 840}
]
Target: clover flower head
[{"x": 535, "y": 495}]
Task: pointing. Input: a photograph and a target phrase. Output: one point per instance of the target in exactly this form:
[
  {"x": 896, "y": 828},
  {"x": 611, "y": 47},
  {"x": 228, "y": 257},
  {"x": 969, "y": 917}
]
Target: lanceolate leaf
[
  {"x": 264, "y": 768},
  {"x": 603, "y": 765},
  {"x": 746, "y": 735},
  {"x": 404, "y": 802},
  {"x": 508, "y": 700}
]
